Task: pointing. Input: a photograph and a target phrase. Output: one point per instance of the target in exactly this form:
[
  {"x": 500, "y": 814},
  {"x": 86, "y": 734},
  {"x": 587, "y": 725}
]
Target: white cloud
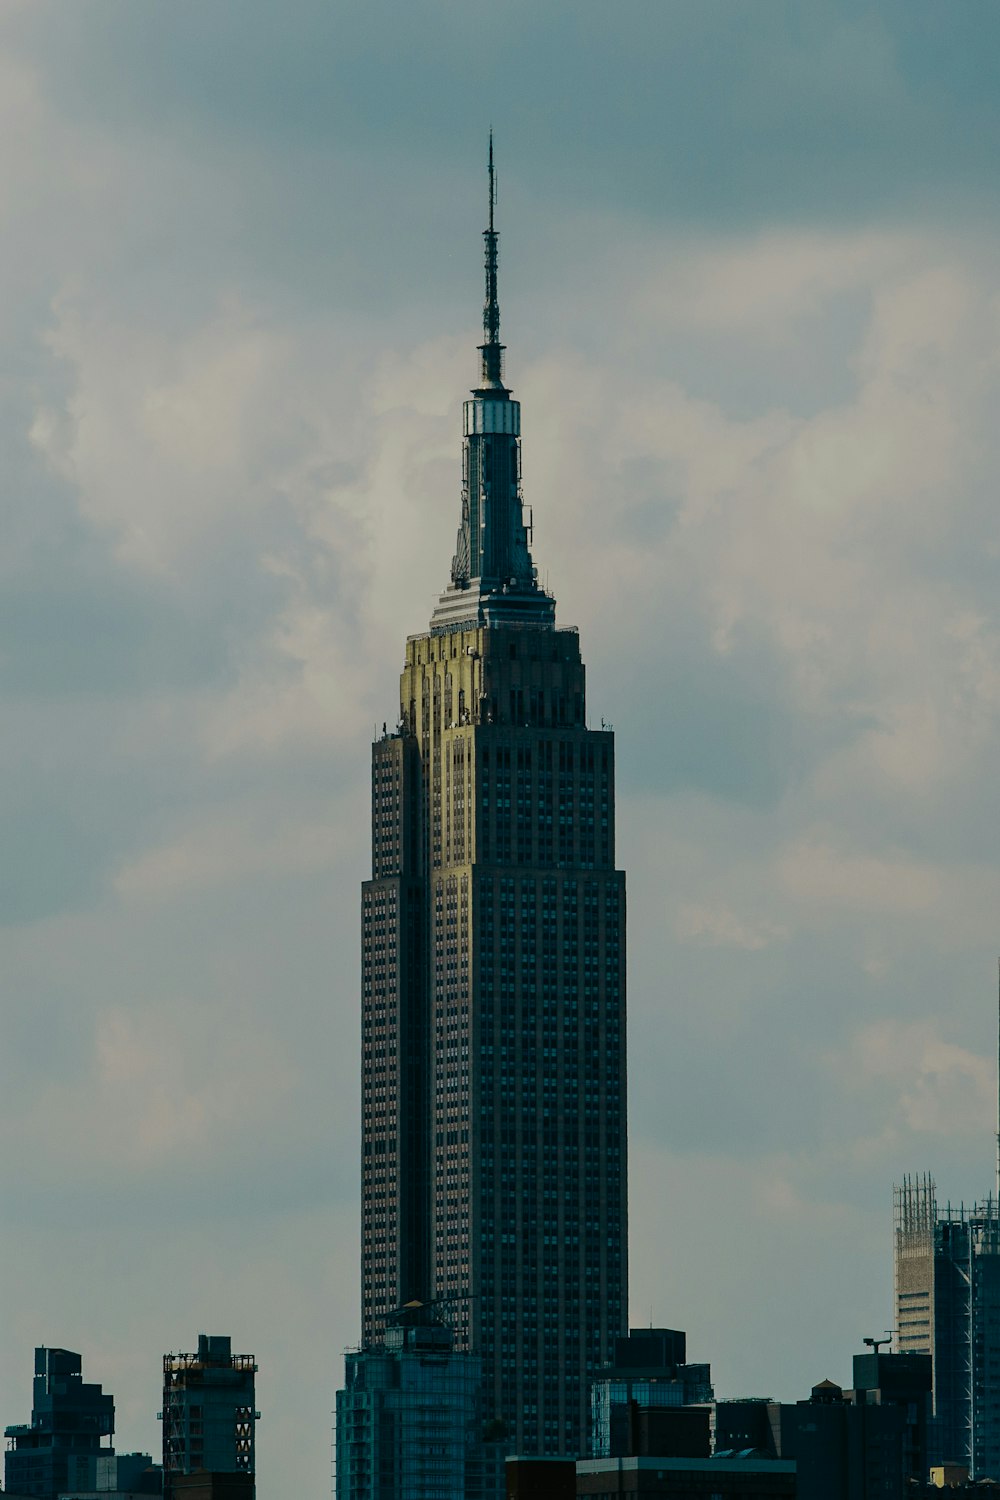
[
  {"x": 764, "y": 285},
  {"x": 937, "y": 1089},
  {"x": 167, "y": 438},
  {"x": 722, "y": 928},
  {"x": 231, "y": 847},
  {"x": 815, "y": 873},
  {"x": 157, "y": 1094}
]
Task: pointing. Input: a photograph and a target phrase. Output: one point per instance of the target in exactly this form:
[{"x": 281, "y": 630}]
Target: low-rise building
[
  {"x": 735, "y": 1478},
  {"x": 649, "y": 1370},
  {"x": 117, "y": 1476}
]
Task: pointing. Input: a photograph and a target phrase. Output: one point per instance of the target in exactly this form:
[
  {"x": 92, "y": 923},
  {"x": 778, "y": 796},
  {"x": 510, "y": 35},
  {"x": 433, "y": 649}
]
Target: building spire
[
  {"x": 493, "y": 579},
  {"x": 491, "y": 347},
  {"x": 493, "y": 182}
]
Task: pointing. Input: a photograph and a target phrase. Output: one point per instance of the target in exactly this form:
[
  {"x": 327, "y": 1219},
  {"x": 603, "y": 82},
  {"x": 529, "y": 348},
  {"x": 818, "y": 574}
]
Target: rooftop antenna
[
  {"x": 997, "y": 1188},
  {"x": 493, "y": 182},
  {"x": 491, "y": 347}
]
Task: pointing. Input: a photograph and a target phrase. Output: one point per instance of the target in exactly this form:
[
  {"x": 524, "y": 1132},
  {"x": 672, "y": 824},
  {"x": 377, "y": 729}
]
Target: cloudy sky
[{"x": 748, "y": 282}]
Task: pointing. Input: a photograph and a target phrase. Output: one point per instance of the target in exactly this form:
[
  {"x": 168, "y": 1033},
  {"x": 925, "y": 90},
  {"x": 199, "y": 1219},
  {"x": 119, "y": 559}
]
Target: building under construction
[
  {"x": 947, "y": 1288},
  {"x": 208, "y": 1420}
]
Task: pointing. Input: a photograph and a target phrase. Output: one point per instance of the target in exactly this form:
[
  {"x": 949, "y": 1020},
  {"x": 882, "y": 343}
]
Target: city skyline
[{"x": 749, "y": 278}]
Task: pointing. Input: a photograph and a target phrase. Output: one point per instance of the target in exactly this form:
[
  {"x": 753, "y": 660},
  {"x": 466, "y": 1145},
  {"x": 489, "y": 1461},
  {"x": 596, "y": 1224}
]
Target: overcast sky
[{"x": 748, "y": 287}]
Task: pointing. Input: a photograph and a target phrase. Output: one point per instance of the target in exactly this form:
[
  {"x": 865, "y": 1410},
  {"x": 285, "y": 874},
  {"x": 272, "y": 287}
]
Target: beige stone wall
[{"x": 914, "y": 1285}]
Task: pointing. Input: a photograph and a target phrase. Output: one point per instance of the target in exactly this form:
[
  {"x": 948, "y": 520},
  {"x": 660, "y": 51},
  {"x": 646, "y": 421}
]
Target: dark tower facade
[
  {"x": 208, "y": 1420},
  {"x": 493, "y": 1030},
  {"x": 69, "y": 1423}
]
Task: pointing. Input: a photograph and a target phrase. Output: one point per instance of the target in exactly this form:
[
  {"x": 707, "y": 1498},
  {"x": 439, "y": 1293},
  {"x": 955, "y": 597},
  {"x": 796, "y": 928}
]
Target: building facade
[
  {"x": 947, "y": 1285},
  {"x": 903, "y": 1381},
  {"x": 409, "y": 1419},
  {"x": 70, "y": 1422},
  {"x": 493, "y": 1014},
  {"x": 649, "y": 1372},
  {"x": 117, "y": 1476},
  {"x": 659, "y": 1478},
  {"x": 863, "y": 1443},
  {"x": 208, "y": 1415}
]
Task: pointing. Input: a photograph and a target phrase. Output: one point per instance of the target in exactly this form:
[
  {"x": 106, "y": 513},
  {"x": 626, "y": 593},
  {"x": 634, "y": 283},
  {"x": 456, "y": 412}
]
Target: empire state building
[{"x": 493, "y": 1029}]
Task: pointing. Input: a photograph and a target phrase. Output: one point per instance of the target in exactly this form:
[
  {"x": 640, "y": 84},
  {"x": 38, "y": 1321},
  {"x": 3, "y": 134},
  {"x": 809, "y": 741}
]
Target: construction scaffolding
[
  {"x": 947, "y": 1294},
  {"x": 208, "y": 1412}
]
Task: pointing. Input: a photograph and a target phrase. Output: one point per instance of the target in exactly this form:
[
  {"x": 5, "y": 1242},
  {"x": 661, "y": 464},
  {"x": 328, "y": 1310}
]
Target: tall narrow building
[
  {"x": 208, "y": 1420},
  {"x": 947, "y": 1292},
  {"x": 493, "y": 1031},
  {"x": 947, "y": 1283}
]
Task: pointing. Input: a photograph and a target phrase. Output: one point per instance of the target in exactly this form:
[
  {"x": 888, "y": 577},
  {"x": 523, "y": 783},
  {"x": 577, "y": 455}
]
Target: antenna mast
[
  {"x": 493, "y": 183},
  {"x": 997, "y": 1188},
  {"x": 491, "y": 347}
]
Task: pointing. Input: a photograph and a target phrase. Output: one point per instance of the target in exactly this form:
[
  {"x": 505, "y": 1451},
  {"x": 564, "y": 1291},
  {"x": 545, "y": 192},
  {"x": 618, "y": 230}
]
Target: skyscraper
[{"x": 493, "y": 1017}]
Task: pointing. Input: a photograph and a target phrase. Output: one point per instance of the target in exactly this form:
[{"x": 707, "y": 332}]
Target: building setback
[
  {"x": 69, "y": 1423},
  {"x": 208, "y": 1418},
  {"x": 493, "y": 1008}
]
